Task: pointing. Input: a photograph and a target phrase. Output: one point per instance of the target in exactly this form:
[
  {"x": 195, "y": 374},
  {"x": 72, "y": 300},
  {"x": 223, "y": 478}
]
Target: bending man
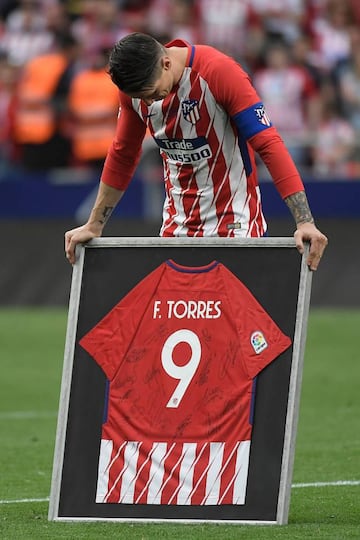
[{"x": 208, "y": 121}]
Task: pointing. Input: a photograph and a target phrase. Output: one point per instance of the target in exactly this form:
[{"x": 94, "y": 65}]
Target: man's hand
[
  {"x": 106, "y": 200},
  {"x": 308, "y": 232},
  {"x": 79, "y": 235}
]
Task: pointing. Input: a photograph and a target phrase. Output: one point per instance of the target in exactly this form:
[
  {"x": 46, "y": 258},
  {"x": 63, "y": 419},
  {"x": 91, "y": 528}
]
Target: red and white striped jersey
[
  {"x": 181, "y": 352},
  {"x": 207, "y": 129}
]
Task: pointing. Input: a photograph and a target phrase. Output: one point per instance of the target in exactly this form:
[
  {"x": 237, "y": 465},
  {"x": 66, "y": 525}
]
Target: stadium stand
[{"x": 322, "y": 43}]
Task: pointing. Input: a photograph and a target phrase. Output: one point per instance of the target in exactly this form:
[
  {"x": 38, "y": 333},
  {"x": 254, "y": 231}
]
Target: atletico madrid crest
[
  {"x": 190, "y": 110},
  {"x": 262, "y": 116}
]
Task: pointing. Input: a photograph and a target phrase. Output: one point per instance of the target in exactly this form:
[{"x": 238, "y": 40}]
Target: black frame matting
[{"x": 106, "y": 270}]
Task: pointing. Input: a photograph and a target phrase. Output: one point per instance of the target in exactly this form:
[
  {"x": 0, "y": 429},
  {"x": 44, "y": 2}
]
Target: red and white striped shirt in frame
[
  {"x": 181, "y": 352},
  {"x": 208, "y": 130}
]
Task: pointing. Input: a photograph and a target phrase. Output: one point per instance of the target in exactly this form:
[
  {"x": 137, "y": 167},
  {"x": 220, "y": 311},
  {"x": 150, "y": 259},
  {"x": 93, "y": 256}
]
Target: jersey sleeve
[
  {"x": 260, "y": 338},
  {"x": 125, "y": 150},
  {"x": 273, "y": 152},
  {"x": 235, "y": 92},
  {"x": 110, "y": 339},
  {"x": 228, "y": 82}
]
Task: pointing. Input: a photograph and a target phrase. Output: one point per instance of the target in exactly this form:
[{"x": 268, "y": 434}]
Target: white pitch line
[
  {"x": 326, "y": 484},
  {"x": 294, "y": 486},
  {"x": 26, "y": 415},
  {"x": 14, "y": 501}
]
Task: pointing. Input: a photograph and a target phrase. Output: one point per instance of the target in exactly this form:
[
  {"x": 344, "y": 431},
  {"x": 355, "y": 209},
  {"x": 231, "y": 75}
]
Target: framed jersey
[{"x": 181, "y": 380}]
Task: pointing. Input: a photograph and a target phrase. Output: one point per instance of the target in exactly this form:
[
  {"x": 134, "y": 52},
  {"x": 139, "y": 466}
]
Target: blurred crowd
[{"x": 58, "y": 107}]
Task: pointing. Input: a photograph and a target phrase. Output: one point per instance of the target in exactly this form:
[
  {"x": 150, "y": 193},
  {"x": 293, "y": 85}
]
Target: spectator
[
  {"x": 57, "y": 18},
  {"x": 184, "y": 19},
  {"x": 38, "y": 107},
  {"x": 26, "y": 35},
  {"x": 301, "y": 57},
  {"x": 99, "y": 26},
  {"x": 330, "y": 34},
  {"x": 226, "y": 24},
  {"x": 334, "y": 140},
  {"x": 178, "y": 17},
  {"x": 8, "y": 81},
  {"x": 290, "y": 96},
  {"x": 280, "y": 18},
  {"x": 347, "y": 76},
  {"x": 134, "y": 14},
  {"x": 93, "y": 107}
]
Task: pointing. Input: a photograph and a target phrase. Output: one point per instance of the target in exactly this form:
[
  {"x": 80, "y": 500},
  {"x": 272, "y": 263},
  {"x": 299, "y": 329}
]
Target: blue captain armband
[{"x": 252, "y": 120}]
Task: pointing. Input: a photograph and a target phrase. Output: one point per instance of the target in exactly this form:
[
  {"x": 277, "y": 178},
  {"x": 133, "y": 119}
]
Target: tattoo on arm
[
  {"x": 299, "y": 207},
  {"x": 106, "y": 213}
]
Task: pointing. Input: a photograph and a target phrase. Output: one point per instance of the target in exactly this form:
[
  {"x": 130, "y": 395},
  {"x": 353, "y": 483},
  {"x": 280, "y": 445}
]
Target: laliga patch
[{"x": 258, "y": 341}]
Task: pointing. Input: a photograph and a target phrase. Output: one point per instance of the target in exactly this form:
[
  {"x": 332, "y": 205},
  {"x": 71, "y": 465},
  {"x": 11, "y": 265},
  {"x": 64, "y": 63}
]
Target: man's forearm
[
  {"x": 299, "y": 207},
  {"x": 106, "y": 200}
]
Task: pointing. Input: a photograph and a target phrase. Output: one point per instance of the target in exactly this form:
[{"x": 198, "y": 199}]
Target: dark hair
[{"x": 134, "y": 62}]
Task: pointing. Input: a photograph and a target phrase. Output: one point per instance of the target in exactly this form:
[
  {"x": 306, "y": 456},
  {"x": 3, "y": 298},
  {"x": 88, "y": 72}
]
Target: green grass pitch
[{"x": 327, "y": 446}]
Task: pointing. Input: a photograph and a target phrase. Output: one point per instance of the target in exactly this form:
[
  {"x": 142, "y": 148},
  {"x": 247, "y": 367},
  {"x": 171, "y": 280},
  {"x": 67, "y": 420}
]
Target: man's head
[{"x": 135, "y": 63}]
